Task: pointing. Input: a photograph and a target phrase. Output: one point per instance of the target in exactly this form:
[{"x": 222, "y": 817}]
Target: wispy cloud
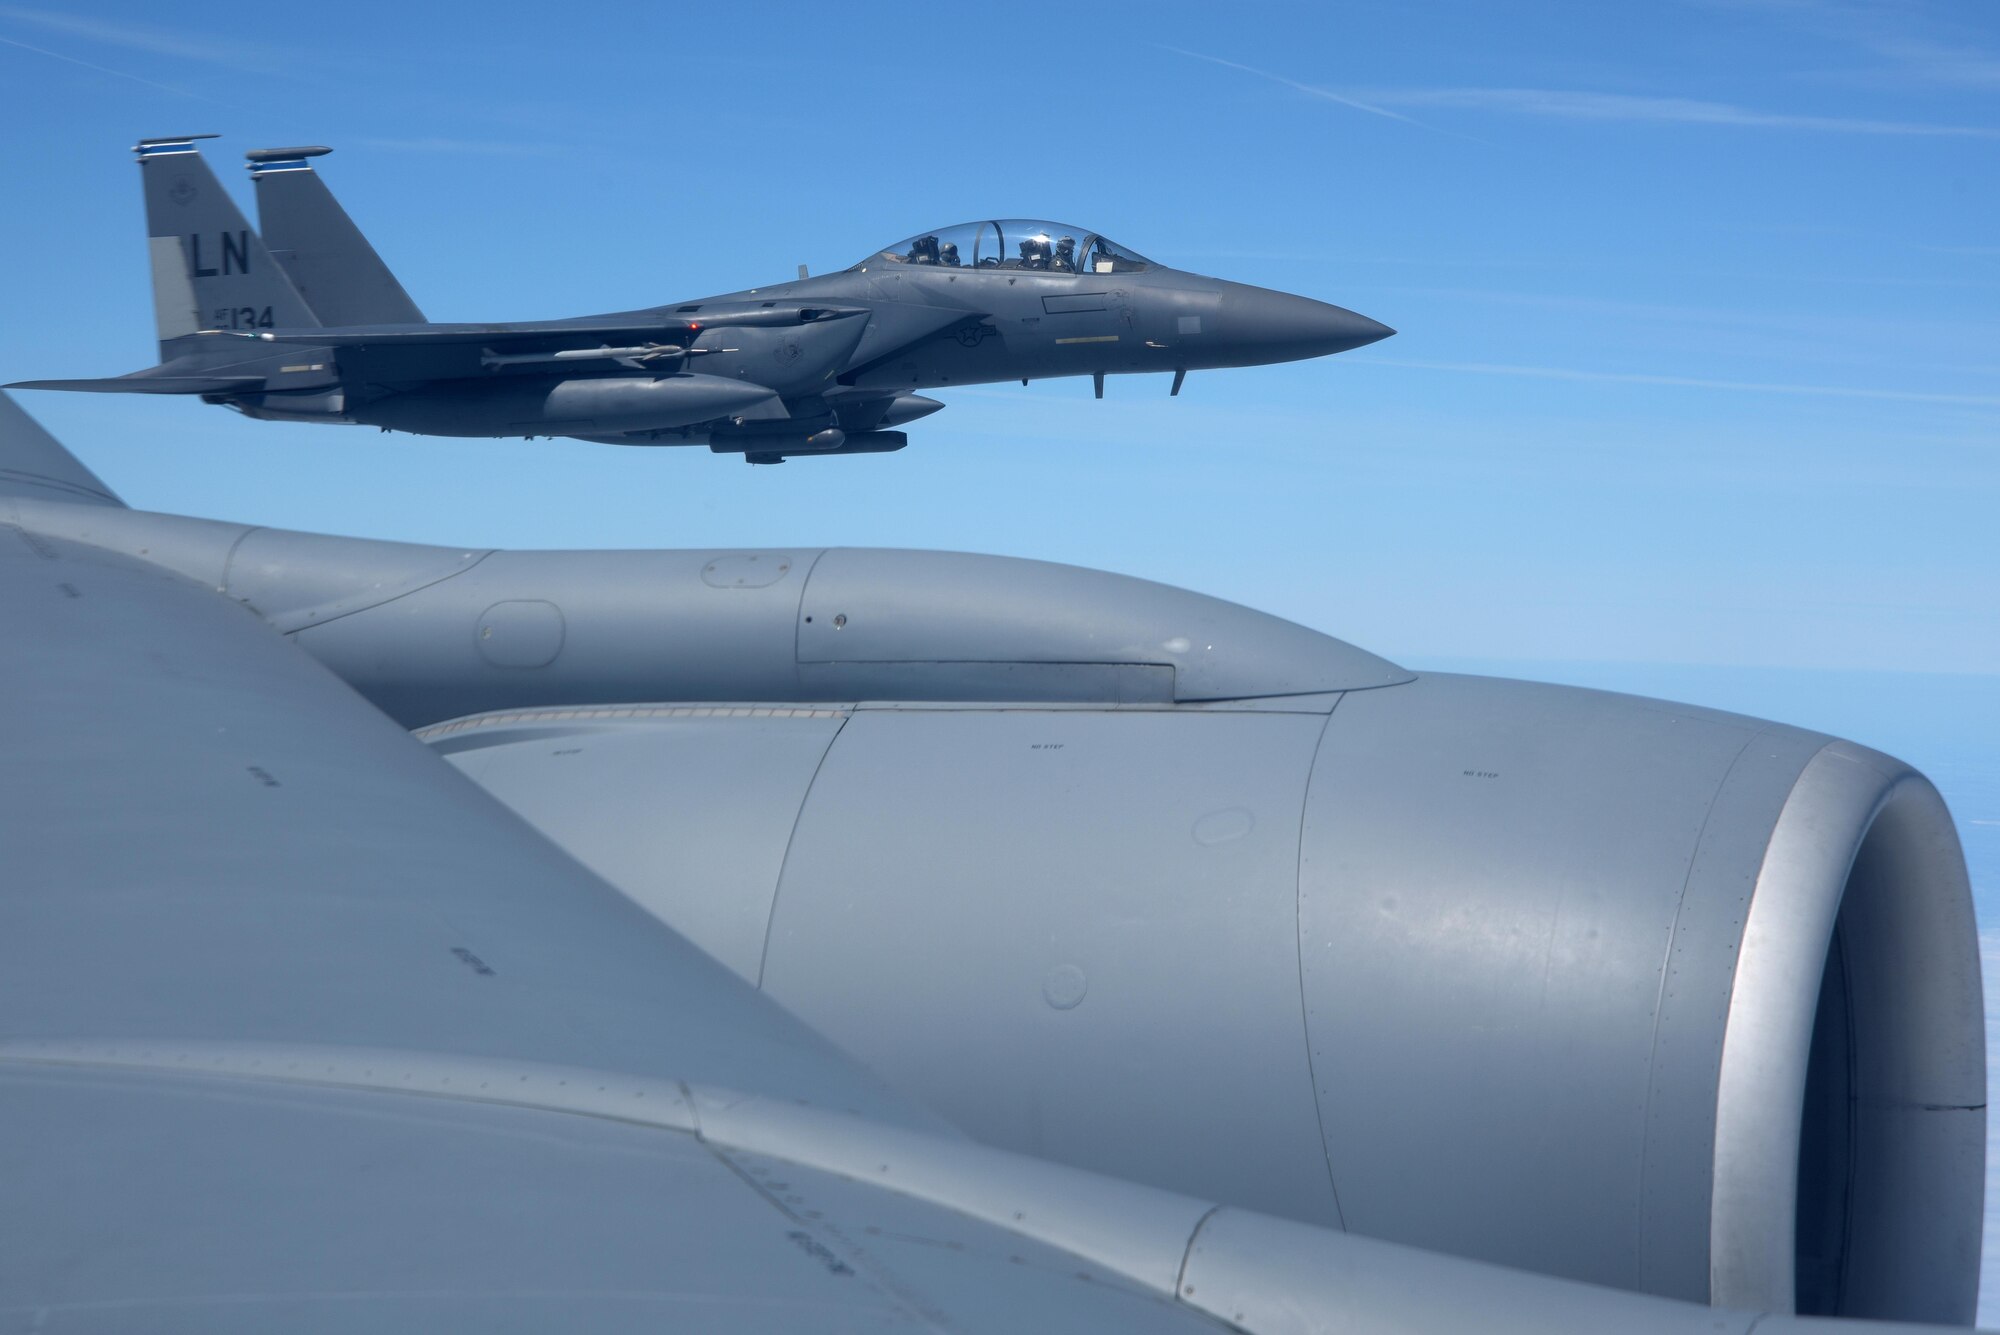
[
  {"x": 105, "y": 69},
  {"x": 1309, "y": 89},
  {"x": 174, "y": 43},
  {"x": 1569, "y": 105},
  {"x": 1950, "y": 54},
  {"x": 1941, "y": 62},
  {"x": 1565, "y": 104},
  {"x": 1690, "y": 382}
]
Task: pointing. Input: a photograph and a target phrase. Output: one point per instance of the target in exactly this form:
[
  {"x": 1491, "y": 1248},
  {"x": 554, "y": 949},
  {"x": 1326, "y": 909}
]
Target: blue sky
[
  {"x": 1700, "y": 303},
  {"x": 1699, "y": 361}
]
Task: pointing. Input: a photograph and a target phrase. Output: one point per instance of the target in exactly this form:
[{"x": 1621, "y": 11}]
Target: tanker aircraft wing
[{"x": 302, "y": 1030}]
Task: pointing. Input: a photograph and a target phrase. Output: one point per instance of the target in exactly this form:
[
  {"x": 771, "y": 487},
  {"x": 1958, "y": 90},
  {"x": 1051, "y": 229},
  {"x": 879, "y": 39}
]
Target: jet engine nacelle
[{"x": 1636, "y": 993}]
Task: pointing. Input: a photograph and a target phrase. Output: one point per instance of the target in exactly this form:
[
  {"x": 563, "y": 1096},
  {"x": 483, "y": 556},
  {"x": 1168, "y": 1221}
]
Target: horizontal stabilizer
[{"x": 141, "y": 383}]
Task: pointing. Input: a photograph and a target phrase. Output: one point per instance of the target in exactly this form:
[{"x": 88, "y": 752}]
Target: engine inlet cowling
[{"x": 1648, "y": 995}]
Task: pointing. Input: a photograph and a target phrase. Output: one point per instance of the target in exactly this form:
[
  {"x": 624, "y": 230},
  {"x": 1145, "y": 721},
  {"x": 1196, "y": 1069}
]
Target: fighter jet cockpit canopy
[{"x": 1012, "y": 243}]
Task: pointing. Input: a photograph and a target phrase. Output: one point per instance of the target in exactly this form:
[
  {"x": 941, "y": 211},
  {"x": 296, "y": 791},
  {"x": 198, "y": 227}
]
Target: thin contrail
[
  {"x": 1561, "y": 104},
  {"x": 1311, "y": 90},
  {"x": 102, "y": 69}
]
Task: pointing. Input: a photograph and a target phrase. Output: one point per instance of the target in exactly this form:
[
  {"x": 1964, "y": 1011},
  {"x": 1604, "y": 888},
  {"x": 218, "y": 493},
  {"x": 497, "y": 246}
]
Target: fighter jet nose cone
[
  {"x": 1277, "y": 326},
  {"x": 1317, "y": 328},
  {"x": 1369, "y": 331}
]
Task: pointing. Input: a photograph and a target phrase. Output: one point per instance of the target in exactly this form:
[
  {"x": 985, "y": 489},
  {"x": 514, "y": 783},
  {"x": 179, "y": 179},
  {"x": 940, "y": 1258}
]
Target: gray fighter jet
[
  {"x": 838, "y": 940},
  {"x": 306, "y": 323}
]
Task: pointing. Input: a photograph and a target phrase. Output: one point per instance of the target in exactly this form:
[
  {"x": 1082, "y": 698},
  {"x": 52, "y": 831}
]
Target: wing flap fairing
[{"x": 225, "y": 1204}]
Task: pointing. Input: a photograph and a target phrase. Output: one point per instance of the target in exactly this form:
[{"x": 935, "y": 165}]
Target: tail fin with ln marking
[
  {"x": 210, "y": 271},
  {"x": 327, "y": 258}
]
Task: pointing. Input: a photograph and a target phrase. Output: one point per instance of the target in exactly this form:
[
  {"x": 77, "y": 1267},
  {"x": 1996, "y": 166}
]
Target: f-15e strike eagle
[
  {"x": 306, "y": 323},
  {"x": 408, "y": 938}
]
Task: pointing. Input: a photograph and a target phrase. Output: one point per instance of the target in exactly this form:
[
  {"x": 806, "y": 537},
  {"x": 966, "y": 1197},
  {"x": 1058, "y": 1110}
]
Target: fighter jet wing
[
  {"x": 377, "y": 336},
  {"x": 230, "y": 361},
  {"x": 640, "y": 339},
  {"x": 733, "y": 316},
  {"x": 634, "y": 325}
]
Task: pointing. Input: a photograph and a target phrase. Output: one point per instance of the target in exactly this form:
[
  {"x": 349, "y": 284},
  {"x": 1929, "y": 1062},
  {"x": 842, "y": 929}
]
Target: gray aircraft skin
[
  {"x": 832, "y": 939},
  {"x": 306, "y": 323}
]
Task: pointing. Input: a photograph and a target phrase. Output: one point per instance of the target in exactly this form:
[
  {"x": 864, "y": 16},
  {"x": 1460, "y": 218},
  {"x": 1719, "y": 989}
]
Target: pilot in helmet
[
  {"x": 948, "y": 254},
  {"x": 1065, "y": 260}
]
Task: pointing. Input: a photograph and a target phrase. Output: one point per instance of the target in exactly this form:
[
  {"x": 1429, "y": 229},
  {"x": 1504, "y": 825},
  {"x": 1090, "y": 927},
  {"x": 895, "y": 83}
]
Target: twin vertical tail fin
[
  {"x": 210, "y": 271},
  {"x": 327, "y": 258}
]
